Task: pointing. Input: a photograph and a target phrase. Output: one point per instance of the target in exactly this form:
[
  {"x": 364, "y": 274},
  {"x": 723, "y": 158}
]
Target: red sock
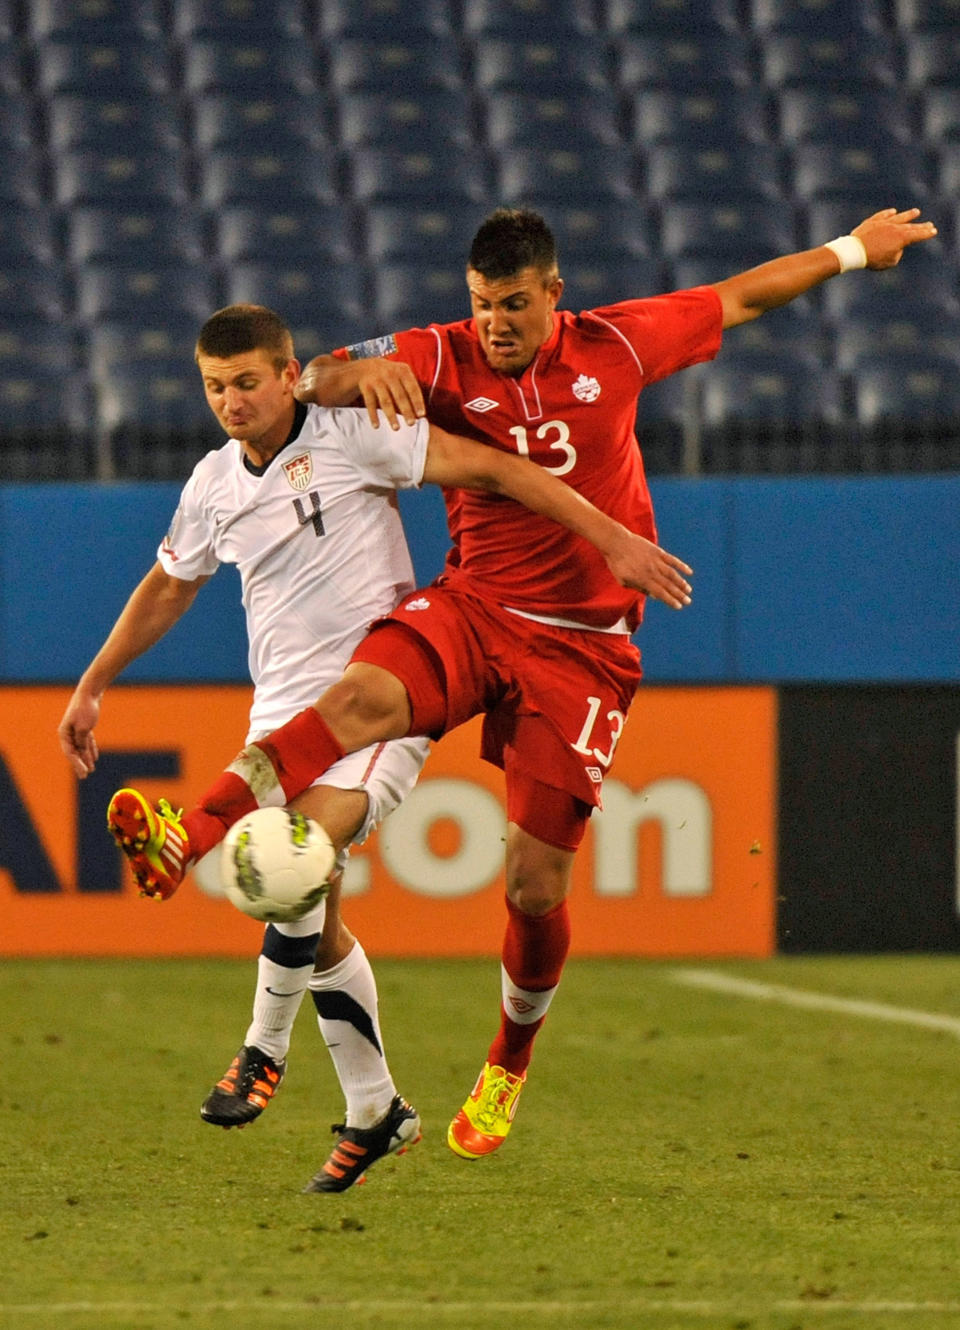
[
  {"x": 534, "y": 950},
  {"x": 298, "y": 752}
]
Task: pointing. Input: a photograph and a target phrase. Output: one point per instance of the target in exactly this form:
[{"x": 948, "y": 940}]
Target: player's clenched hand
[
  {"x": 640, "y": 564},
  {"x": 76, "y": 733},
  {"x": 389, "y": 386},
  {"x": 885, "y": 235}
]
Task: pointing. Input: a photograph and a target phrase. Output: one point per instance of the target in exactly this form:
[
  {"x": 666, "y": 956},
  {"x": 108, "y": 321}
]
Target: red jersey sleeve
[{"x": 668, "y": 332}]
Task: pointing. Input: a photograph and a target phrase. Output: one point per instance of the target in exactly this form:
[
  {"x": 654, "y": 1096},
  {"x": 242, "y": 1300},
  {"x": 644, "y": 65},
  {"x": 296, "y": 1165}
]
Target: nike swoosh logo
[{"x": 293, "y": 994}]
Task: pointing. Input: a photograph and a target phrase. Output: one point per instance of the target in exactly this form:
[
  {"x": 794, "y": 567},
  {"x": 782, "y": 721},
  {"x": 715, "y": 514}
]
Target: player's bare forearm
[
  {"x": 456, "y": 462},
  {"x": 382, "y": 385},
  {"x": 884, "y": 237}
]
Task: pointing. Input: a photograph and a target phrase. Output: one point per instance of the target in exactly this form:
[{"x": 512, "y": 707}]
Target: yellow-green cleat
[
  {"x": 482, "y": 1124},
  {"x": 152, "y": 839}
]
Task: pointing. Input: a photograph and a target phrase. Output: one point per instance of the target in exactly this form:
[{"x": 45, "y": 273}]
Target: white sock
[
  {"x": 346, "y": 1000},
  {"x": 284, "y": 968}
]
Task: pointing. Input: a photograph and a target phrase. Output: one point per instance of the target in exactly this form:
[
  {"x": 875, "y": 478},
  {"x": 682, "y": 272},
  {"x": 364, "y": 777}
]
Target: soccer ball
[{"x": 275, "y": 864}]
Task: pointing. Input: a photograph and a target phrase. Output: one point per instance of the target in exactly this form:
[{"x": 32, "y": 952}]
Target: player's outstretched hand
[
  {"x": 389, "y": 386},
  {"x": 76, "y": 736},
  {"x": 640, "y": 564},
  {"x": 887, "y": 233}
]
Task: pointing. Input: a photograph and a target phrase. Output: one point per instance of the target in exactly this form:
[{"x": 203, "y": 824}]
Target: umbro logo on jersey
[
  {"x": 520, "y": 1005},
  {"x": 421, "y": 603},
  {"x": 480, "y": 404},
  {"x": 586, "y": 388},
  {"x": 595, "y": 774},
  {"x": 299, "y": 470}
]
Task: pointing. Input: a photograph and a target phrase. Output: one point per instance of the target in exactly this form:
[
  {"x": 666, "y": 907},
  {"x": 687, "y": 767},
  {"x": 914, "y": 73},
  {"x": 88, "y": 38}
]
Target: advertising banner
[{"x": 681, "y": 862}]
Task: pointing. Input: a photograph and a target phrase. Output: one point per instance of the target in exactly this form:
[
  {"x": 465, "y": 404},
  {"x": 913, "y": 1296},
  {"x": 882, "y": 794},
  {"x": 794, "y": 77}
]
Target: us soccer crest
[{"x": 299, "y": 470}]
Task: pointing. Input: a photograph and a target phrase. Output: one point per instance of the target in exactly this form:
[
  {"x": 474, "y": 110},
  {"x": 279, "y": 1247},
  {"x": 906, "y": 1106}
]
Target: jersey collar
[{"x": 299, "y": 416}]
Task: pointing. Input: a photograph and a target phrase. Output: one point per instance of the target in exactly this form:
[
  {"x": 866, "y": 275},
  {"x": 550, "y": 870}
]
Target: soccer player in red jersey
[{"x": 526, "y": 625}]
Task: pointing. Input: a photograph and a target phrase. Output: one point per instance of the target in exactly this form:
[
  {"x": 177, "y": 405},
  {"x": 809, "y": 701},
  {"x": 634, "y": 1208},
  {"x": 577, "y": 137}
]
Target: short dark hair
[
  {"x": 239, "y": 328},
  {"x": 511, "y": 239}
]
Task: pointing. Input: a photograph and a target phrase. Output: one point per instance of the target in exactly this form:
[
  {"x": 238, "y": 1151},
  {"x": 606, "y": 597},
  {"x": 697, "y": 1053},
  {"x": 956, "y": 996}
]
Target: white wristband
[{"x": 850, "y": 251}]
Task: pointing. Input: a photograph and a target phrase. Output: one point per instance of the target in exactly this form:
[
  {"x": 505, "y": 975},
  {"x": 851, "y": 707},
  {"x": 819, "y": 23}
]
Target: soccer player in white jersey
[{"x": 300, "y": 498}]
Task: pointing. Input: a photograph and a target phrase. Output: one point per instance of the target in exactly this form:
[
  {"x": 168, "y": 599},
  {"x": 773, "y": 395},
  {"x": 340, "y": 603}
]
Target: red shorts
[{"x": 554, "y": 699}]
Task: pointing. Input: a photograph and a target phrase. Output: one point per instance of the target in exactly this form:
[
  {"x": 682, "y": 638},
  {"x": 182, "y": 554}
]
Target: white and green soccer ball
[{"x": 275, "y": 864}]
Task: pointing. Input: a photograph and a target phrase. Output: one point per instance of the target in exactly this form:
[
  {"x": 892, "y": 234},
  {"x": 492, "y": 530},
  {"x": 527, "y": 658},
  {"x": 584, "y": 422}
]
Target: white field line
[
  {"x": 798, "y": 997},
  {"x": 426, "y": 1311}
]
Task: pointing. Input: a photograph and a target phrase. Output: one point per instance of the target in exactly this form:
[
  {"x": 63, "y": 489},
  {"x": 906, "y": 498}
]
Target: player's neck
[{"x": 263, "y": 450}]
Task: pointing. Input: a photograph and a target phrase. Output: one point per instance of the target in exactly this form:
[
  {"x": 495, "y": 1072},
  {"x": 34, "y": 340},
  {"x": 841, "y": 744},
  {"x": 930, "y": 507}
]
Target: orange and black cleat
[
  {"x": 357, "y": 1147},
  {"x": 245, "y": 1089}
]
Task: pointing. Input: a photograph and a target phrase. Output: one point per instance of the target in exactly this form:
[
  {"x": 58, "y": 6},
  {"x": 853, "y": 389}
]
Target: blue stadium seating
[
  {"x": 551, "y": 119},
  {"x": 141, "y": 341},
  {"x": 395, "y": 64},
  {"x": 253, "y": 68},
  {"x": 118, "y": 178},
  {"x": 835, "y": 170},
  {"x": 925, "y": 15},
  {"x": 932, "y": 59},
  {"x": 385, "y": 20},
  {"x": 11, "y": 67},
  {"x": 699, "y": 117},
  {"x": 125, "y": 124},
  {"x": 105, "y": 20},
  {"x": 137, "y": 234},
  {"x": 738, "y": 172},
  {"x": 118, "y": 68},
  {"x": 308, "y": 233},
  {"x": 940, "y": 115},
  {"x": 420, "y": 232},
  {"x": 816, "y": 18},
  {"x": 769, "y": 388},
  {"x": 18, "y": 126},
  {"x": 925, "y": 280},
  {"x": 410, "y": 118},
  {"x": 542, "y": 66},
  {"x": 32, "y": 290},
  {"x": 671, "y": 17},
  {"x": 576, "y": 173},
  {"x": 26, "y": 235},
  {"x": 418, "y": 176},
  {"x": 529, "y": 20},
  {"x": 918, "y": 388},
  {"x": 239, "y": 122},
  {"x": 239, "y": 20},
  {"x": 589, "y": 285},
  {"x": 742, "y": 234},
  {"x": 118, "y": 291},
  {"x": 301, "y": 293},
  {"x": 858, "y": 114},
  {"x": 833, "y": 60},
  {"x": 685, "y": 63},
  {"x": 261, "y": 178},
  {"x": 924, "y": 330},
  {"x": 413, "y": 295}
]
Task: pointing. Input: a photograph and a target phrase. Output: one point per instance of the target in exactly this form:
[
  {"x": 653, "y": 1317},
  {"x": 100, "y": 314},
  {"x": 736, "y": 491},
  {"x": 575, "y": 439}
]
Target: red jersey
[{"x": 572, "y": 411}]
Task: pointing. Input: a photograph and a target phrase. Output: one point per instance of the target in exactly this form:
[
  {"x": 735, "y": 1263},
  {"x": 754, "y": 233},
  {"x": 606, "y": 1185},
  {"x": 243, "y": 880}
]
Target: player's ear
[
  {"x": 290, "y": 373},
  {"x": 555, "y": 290}
]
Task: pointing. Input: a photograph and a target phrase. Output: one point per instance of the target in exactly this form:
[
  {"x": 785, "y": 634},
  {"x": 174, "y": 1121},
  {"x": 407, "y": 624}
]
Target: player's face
[
  {"x": 252, "y": 399},
  {"x": 513, "y": 315}
]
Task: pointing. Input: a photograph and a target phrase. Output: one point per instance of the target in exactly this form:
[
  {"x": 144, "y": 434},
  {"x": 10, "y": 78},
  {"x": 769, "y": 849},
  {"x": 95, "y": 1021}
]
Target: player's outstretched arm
[
  {"x": 454, "y": 461},
  {"x": 383, "y": 385},
  {"x": 153, "y": 608},
  {"x": 883, "y": 238}
]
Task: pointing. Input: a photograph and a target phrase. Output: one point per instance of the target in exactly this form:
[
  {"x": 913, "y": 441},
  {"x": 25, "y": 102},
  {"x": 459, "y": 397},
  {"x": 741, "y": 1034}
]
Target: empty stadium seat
[
  {"x": 102, "y": 68},
  {"x": 858, "y": 113},
  {"x": 743, "y": 234},
  {"x": 588, "y": 285},
  {"x": 385, "y": 175},
  {"x": 38, "y": 343},
  {"x": 109, "y": 20},
  {"x": 833, "y": 170},
  {"x": 793, "y": 332},
  {"x": 925, "y": 15},
  {"x": 670, "y": 17},
  {"x": 261, "y": 178},
  {"x": 256, "y": 67},
  {"x": 385, "y": 19},
  {"x": 300, "y": 293},
  {"x": 916, "y": 331},
  {"x": 528, "y": 20},
  {"x": 9, "y": 18},
  {"x": 948, "y": 174},
  {"x": 118, "y": 178},
  {"x": 239, "y": 122},
  {"x": 932, "y": 58},
  {"x": 814, "y": 18},
  {"x": 121, "y": 291},
  {"x": 735, "y": 172},
  {"x": 420, "y": 233},
  {"x": 239, "y": 20},
  {"x": 764, "y": 388},
  {"x": 21, "y": 180},
  {"x": 411, "y": 118},
  {"x": 614, "y": 228},
  {"x": 11, "y": 67},
  {"x": 114, "y": 123},
  {"x": 924, "y": 280},
  {"x": 394, "y": 64},
  {"x": 303, "y": 232},
  {"x": 413, "y": 295},
  {"x": 542, "y": 65},
  {"x": 701, "y": 116},
  {"x": 551, "y": 119},
  {"x": 831, "y": 59},
  {"x": 577, "y": 173},
  {"x": 137, "y": 234},
  {"x": 687, "y": 62},
  {"x": 137, "y": 341},
  {"x": 913, "y": 387}
]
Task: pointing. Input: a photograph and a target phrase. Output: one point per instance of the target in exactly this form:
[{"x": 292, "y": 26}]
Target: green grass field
[{"x": 682, "y": 1157}]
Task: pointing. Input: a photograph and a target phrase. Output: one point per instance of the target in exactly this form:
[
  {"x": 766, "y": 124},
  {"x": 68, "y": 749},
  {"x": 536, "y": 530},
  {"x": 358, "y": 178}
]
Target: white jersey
[{"x": 318, "y": 542}]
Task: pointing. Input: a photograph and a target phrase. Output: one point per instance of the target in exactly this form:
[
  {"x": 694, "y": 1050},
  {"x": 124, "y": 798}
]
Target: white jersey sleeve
[
  {"x": 186, "y": 551},
  {"x": 385, "y": 457}
]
